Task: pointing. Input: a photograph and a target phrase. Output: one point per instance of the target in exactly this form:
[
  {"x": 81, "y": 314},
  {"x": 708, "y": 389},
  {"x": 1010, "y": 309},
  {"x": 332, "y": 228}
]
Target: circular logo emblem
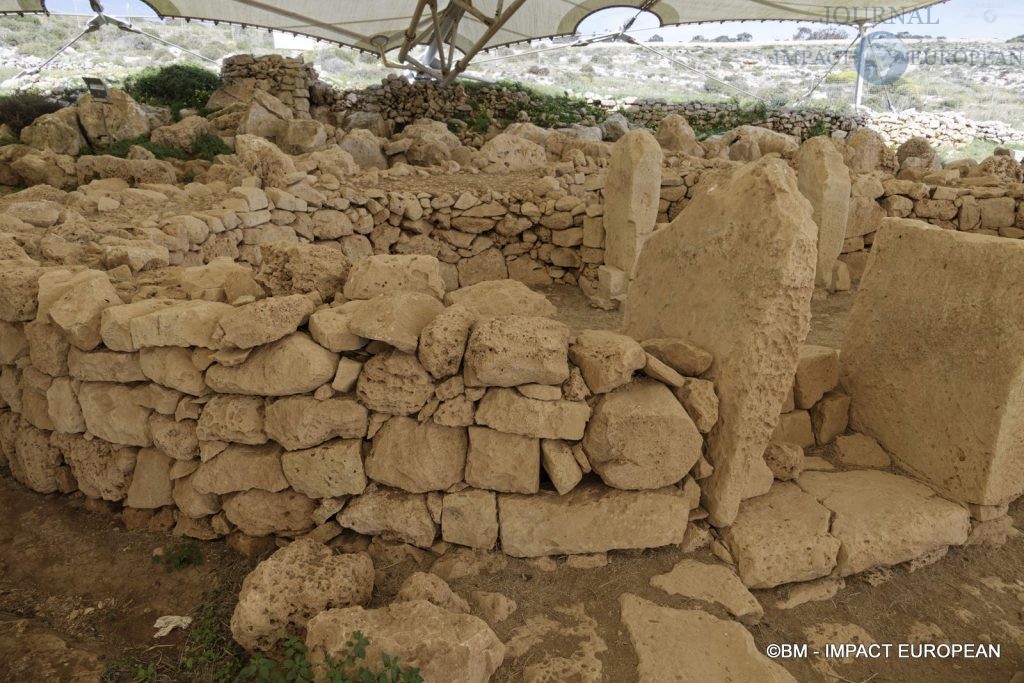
[{"x": 882, "y": 58}]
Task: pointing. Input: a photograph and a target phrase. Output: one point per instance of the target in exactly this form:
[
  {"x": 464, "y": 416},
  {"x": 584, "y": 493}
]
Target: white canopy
[{"x": 468, "y": 26}]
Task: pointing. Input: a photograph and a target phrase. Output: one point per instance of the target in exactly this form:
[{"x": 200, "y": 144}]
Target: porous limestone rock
[
  {"x": 298, "y": 422},
  {"x": 502, "y": 462},
  {"x": 102, "y": 470},
  {"x": 691, "y": 646},
  {"x": 391, "y": 514},
  {"x": 715, "y": 583},
  {"x": 443, "y": 646},
  {"x": 389, "y": 273},
  {"x": 590, "y": 519},
  {"x": 289, "y": 268},
  {"x": 151, "y": 485},
  {"x": 926, "y": 359},
  {"x": 75, "y": 302},
  {"x": 433, "y": 589},
  {"x": 499, "y": 298},
  {"x": 115, "y": 322},
  {"x": 560, "y": 465},
  {"x": 606, "y": 359},
  {"x": 782, "y": 537},
  {"x": 736, "y": 279},
  {"x": 105, "y": 366},
  {"x": 241, "y": 468},
  {"x": 329, "y": 470},
  {"x": 825, "y": 181},
  {"x": 674, "y": 134},
  {"x": 172, "y": 366},
  {"x": 417, "y": 457},
  {"x": 293, "y": 365},
  {"x": 112, "y": 413},
  {"x": 185, "y": 323},
  {"x": 785, "y": 460},
  {"x": 515, "y": 350},
  {"x": 260, "y": 513},
  {"x": 34, "y": 461},
  {"x": 700, "y": 401},
  {"x": 394, "y": 383},
  {"x": 238, "y": 419},
  {"x": 631, "y": 192},
  {"x": 640, "y": 437},
  {"x": 264, "y": 321},
  {"x": 882, "y": 519},
  {"x": 830, "y": 417},
  {"x": 508, "y": 411},
  {"x": 817, "y": 372},
  {"x": 396, "y": 318},
  {"x": 470, "y": 517},
  {"x": 679, "y": 355},
  {"x": 443, "y": 341}
]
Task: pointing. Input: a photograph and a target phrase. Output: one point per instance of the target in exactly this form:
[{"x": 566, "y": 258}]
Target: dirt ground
[{"x": 79, "y": 595}]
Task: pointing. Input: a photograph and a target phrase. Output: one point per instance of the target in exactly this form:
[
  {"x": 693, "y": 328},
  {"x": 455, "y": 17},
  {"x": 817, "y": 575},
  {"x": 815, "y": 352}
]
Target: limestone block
[
  {"x": 590, "y": 519},
  {"x": 956, "y": 424},
  {"x": 499, "y": 298},
  {"x": 417, "y": 457},
  {"x": 391, "y": 514},
  {"x": 506, "y": 410},
  {"x": 187, "y": 323},
  {"x": 817, "y": 372},
  {"x": 115, "y": 322},
  {"x": 293, "y": 365},
  {"x": 102, "y": 470},
  {"x": 151, "y": 485},
  {"x": 679, "y": 355},
  {"x": 112, "y": 413},
  {"x": 631, "y": 192},
  {"x": 794, "y": 427},
  {"x": 264, "y": 321},
  {"x": 233, "y": 418},
  {"x": 560, "y": 464},
  {"x": 606, "y": 359},
  {"x": 515, "y": 350},
  {"x": 470, "y": 517},
  {"x": 75, "y": 303},
  {"x": 394, "y": 383},
  {"x": 261, "y": 513},
  {"x": 105, "y": 366},
  {"x": 640, "y": 437},
  {"x": 240, "y": 468},
  {"x": 329, "y": 470},
  {"x": 388, "y": 273},
  {"x": 172, "y": 367},
  {"x": 298, "y": 422},
  {"x": 735, "y": 279},
  {"x": 829, "y": 417},
  {"x": 825, "y": 181},
  {"x": 502, "y": 462},
  {"x": 396, "y": 318},
  {"x": 443, "y": 341}
]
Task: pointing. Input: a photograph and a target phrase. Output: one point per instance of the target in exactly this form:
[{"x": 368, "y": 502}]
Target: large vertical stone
[
  {"x": 932, "y": 359},
  {"x": 631, "y": 193},
  {"x": 824, "y": 179},
  {"x": 734, "y": 278}
]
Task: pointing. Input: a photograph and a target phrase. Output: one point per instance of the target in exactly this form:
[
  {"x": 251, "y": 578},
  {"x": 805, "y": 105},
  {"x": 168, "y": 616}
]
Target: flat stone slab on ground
[{"x": 711, "y": 583}]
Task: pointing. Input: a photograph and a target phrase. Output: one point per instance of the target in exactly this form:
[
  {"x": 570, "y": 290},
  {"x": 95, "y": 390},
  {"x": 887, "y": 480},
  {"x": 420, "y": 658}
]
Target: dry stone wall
[{"x": 289, "y": 79}]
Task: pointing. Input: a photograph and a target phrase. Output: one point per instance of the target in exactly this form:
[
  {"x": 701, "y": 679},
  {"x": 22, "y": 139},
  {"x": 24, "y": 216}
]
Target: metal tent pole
[{"x": 862, "y": 58}]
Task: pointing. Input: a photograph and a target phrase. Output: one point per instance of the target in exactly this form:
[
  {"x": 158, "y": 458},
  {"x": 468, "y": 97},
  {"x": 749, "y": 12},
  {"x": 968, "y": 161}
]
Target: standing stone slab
[
  {"x": 825, "y": 181},
  {"x": 932, "y": 359},
  {"x": 632, "y": 190},
  {"x": 734, "y": 278},
  {"x": 591, "y": 519}
]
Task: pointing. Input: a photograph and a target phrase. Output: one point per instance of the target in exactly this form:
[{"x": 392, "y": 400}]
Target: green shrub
[
  {"x": 19, "y": 110},
  {"x": 206, "y": 146},
  {"x": 180, "y": 555},
  {"x": 351, "y": 668},
  {"x": 178, "y": 86}
]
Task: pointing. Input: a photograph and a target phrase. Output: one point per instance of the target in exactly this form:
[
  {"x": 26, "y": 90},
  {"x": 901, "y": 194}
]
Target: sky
[{"x": 973, "y": 19}]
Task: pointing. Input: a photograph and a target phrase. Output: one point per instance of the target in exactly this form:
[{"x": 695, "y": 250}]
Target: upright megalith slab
[
  {"x": 734, "y": 277},
  {"x": 631, "y": 194},
  {"x": 824, "y": 179},
  {"x": 932, "y": 359}
]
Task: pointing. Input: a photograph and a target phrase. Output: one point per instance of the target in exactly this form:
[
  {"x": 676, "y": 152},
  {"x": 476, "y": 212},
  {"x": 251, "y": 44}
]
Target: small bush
[
  {"x": 19, "y": 110},
  {"x": 205, "y": 146},
  {"x": 180, "y": 555},
  {"x": 351, "y": 668},
  {"x": 178, "y": 86}
]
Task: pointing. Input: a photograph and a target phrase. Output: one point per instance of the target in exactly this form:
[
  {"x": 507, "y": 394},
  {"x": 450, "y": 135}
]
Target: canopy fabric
[{"x": 473, "y": 25}]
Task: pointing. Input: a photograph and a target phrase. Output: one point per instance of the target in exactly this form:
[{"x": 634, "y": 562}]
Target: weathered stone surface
[
  {"x": 825, "y": 181},
  {"x": 62, "y": 406},
  {"x": 499, "y": 298},
  {"x": 115, "y": 322},
  {"x": 293, "y": 365},
  {"x": 782, "y": 537},
  {"x": 299, "y": 422},
  {"x": 714, "y": 583},
  {"x": 240, "y": 468},
  {"x": 188, "y": 323},
  {"x": 172, "y": 367},
  {"x": 261, "y": 513},
  {"x": 330, "y": 327},
  {"x": 674, "y": 134},
  {"x": 105, "y": 366},
  {"x": 458, "y": 648},
  {"x": 233, "y": 418},
  {"x": 47, "y": 348},
  {"x": 396, "y": 318},
  {"x": 151, "y": 485},
  {"x": 606, "y": 359},
  {"x": 289, "y": 268},
  {"x": 190, "y": 502},
  {"x": 502, "y": 462},
  {"x": 631, "y": 192},
  {"x": 560, "y": 464},
  {"x": 394, "y": 383},
  {"x": 640, "y": 437},
  {"x": 112, "y": 413},
  {"x": 389, "y": 273},
  {"x": 691, "y": 646},
  {"x": 391, "y": 514},
  {"x": 329, "y": 470},
  {"x": 443, "y": 341},
  {"x": 75, "y": 302},
  {"x": 928, "y": 367},
  {"x": 830, "y": 416},
  {"x": 506, "y": 410},
  {"x": 417, "y": 457},
  {"x": 292, "y": 586},
  {"x": 817, "y": 372},
  {"x": 700, "y": 401},
  {"x": 794, "y": 427},
  {"x": 747, "y": 271},
  {"x": 264, "y": 321},
  {"x": 590, "y": 519},
  {"x": 860, "y": 450},
  {"x": 33, "y": 460},
  {"x": 101, "y": 469},
  {"x": 515, "y": 350},
  {"x": 433, "y": 589},
  {"x": 20, "y": 287},
  {"x": 470, "y": 517},
  {"x": 785, "y": 460},
  {"x": 883, "y": 519}
]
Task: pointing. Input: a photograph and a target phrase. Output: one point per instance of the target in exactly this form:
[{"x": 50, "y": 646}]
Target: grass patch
[
  {"x": 180, "y": 555},
  {"x": 204, "y": 147}
]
